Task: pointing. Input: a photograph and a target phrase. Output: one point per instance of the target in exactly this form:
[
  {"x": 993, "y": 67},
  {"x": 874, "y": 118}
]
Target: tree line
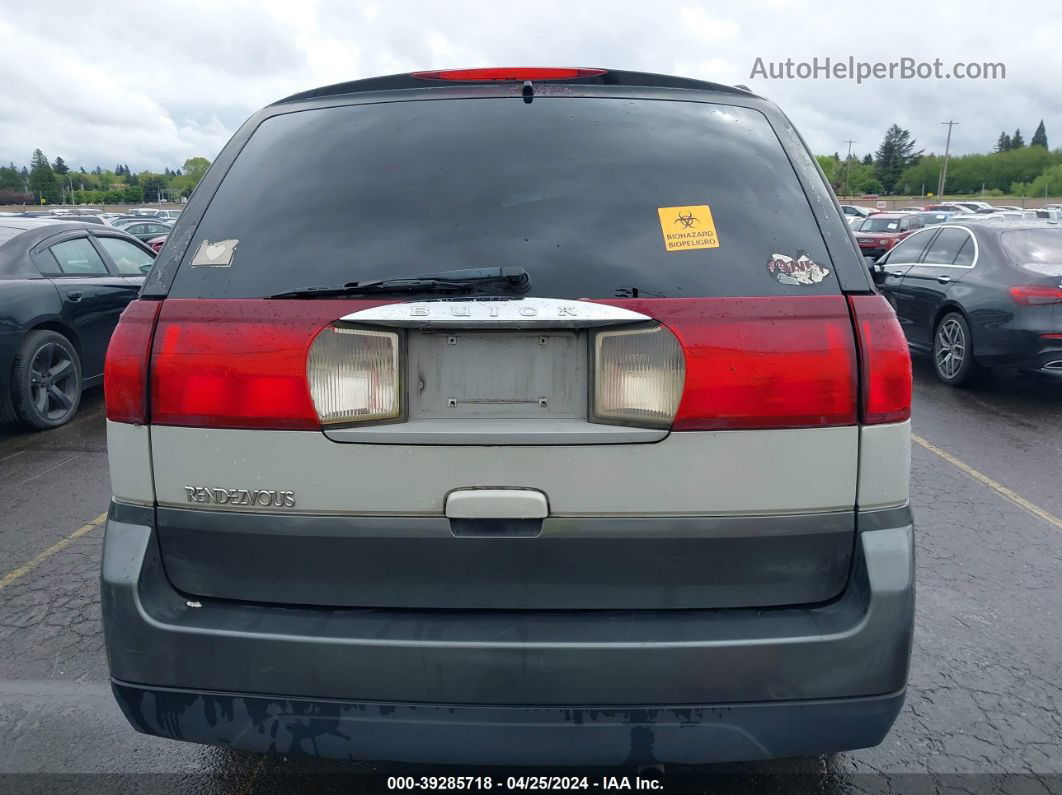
[
  {"x": 44, "y": 182},
  {"x": 898, "y": 167}
]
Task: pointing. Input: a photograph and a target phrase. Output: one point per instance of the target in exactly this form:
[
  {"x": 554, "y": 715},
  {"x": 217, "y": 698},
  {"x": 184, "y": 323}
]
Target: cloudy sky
[{"x": 150, "y": 84}]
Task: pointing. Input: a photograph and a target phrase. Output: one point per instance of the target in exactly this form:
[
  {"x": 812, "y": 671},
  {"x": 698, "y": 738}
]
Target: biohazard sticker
[
  {"x": 802, "y": 270},
  {"x": 216, "y": 254},
  {"x": 687, "y": 227}
]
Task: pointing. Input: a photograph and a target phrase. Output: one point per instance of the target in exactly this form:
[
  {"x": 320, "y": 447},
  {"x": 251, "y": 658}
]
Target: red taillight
[
  {"x": 761, "y": 362},
  {"x": 237, "y": 363},
  {"x": 512, "y": 73},
  {"x": 885, "y": 361},
  {"x": 126, "y": 368},
  {"x": 1036, "y": 294}
]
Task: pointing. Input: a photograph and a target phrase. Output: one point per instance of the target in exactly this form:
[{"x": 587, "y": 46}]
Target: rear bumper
[
  {"x": 565, "y": 686},
  {"x": 1047, "y": 360},
  {"x": 555, "y": 736},
  {"x": 1026, "y": 339},
  {"x": 873, "y": 251}
]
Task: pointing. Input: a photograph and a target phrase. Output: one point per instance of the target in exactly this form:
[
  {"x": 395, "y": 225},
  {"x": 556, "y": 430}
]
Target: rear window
[
  {"x": 1036, "y": 250},
  {"x": 582, "y": 192},
  {"x": 880, "y": 225}
]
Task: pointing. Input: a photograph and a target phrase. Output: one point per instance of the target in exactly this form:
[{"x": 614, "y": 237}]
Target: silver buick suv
[{"x": 511, "y": 416}]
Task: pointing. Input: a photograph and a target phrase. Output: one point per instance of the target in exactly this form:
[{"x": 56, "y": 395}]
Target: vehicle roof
[
  {"x": 990, "y": 231},
  {"x": 13, "y": 260},
  {"x": 987, "y": 225},
  {"x": 891, "y": 216},
  {"x": 36, "y": 222},
  {"x": 608, "y": 77}
]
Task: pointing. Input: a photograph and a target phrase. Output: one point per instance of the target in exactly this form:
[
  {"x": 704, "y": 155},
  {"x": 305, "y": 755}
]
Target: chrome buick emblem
[
  {"x": 496, "y": 312},
  {"x": 493, "y": 310}
]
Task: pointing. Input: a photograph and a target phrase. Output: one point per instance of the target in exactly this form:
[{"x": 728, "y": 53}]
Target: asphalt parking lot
[{"x": 985, "y": 697}]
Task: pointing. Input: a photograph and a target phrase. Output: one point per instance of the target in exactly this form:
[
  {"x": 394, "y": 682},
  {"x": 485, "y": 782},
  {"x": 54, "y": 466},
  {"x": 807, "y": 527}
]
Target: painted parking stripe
[
  {"x": 996, "y": 486},
  {"x": 37, "y": 560}
]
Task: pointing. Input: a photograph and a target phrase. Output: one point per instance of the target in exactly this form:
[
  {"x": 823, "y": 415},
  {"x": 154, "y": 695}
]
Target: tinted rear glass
[
  {"x": 1036, "y": 250},
  {"x": 578, "y": 191},
  {"x": 880, "y": 225}
]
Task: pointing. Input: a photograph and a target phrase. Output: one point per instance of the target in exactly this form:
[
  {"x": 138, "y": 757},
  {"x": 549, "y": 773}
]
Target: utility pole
[
  {"x": 944, "y": 170},
  {"x": 847, "y": 166}
]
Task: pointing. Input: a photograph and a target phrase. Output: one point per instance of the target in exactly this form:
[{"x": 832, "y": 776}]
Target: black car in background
[
  {"x": 979, "y": 295},
  {"x": 62, "y": 287}
]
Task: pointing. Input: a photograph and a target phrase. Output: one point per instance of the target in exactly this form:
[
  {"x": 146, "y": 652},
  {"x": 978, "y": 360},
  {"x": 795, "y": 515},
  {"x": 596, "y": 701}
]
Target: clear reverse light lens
[
  {"x": 638, "y": 376},
  {"x": 353, "y": 375}
]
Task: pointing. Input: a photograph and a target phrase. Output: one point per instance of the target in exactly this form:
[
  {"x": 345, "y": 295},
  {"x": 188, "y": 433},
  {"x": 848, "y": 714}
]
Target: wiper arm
[{"x": 460, "y": 281}]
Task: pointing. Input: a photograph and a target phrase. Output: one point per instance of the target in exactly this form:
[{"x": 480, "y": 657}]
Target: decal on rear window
[
  {"x": 687, "y": 227},
  {"x": 802, "y": 270},
  {"x": 443, "y": 191},
  {"x": 218, "y": 254}
]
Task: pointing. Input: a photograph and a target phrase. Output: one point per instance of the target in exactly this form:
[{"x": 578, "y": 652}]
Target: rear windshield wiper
[{"x": 458, "y": 281}]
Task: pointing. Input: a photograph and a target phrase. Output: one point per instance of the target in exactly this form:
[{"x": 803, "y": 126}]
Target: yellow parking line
[
  {"x": 997, "y": 487},
  {"x": 30, "y": 565}
]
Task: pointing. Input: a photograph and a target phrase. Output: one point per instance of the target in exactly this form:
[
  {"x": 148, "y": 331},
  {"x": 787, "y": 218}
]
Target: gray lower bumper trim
[
  {"x": 631, "y": 563},
  {"x": 853, "y": 646},
  {"x": 511, "y": 735}
]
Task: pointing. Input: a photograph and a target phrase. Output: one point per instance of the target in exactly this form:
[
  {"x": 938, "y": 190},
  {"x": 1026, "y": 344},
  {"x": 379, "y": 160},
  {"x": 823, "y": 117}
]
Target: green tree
[
  {"x": 972, "y": 173},
  {"x": 196, "y": 167},
  {"x": 59, "y": 167},
  {"x": 153, "y": 185},
  {"x": 10, "y": 178},
  {"x": 12, "y": 186},
  {"x": 872, "y": 185},
  {"x": 830, "y": 168},
  {"x": 896, "y": 153},
  {"x": 42, "y": 181},
  {"x": 1040, "y": 136},
  {"x": 868, "y": 159},
  {"x": 1016, "y": 141},
  {"x": 921, "y": 177},
  {"x": 193, "y": 171},
  {"x": 858, "y": 176},
  {"x": 1003, "y": 143},
  {"x": 1049, "y": 183}
]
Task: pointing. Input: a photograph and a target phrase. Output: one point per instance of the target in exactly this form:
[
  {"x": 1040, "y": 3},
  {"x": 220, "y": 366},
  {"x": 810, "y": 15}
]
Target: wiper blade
[{"x": 460, "y": 281}]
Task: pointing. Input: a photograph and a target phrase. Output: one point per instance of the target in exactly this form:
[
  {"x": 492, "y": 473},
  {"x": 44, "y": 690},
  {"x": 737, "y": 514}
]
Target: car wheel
[
  {"x": 953, "y": 359},
  {"x": 46, "y": 380}
]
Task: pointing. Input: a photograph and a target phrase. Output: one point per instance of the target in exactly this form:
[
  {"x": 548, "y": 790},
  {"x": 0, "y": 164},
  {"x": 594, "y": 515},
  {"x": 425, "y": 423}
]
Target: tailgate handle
[{"x": 496, "y": 504}]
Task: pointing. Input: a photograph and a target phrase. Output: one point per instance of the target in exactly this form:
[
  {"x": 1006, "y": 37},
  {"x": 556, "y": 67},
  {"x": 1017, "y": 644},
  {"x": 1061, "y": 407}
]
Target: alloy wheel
[
  {"x": 53, "y": 382},
  {"x": 951, "y": 348}
]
